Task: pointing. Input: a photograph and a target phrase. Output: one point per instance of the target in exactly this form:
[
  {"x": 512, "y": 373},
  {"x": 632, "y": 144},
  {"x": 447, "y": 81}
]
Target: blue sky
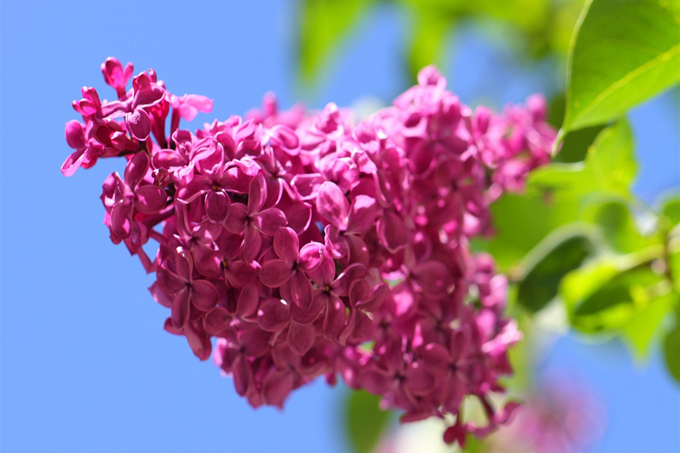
[{"x": 86, "y": 365}]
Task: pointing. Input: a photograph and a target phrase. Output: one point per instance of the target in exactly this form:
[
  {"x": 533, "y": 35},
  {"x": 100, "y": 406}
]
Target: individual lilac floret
[{"x": 311, "y": 246}]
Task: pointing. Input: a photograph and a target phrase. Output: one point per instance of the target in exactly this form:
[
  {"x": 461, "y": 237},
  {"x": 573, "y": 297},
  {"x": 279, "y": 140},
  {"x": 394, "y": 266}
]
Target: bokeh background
[{"x": 86, "y": 365}]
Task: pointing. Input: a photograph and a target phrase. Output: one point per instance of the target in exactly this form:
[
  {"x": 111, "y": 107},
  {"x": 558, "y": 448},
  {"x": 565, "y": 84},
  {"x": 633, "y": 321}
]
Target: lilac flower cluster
[{"x": 310, "y": 246}]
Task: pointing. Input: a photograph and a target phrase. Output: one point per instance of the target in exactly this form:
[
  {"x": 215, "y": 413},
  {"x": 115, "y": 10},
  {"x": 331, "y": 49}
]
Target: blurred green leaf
[
  {"x": 609, "y": 167},
  {"x": 549, "y": 262},
  {"x": 428, "y": 37},
  {"x": 671, "y": 347},
  {"x": 522, "y": 221},
  {"x": 671, "y": 209},
  {"x": 674, "y": 261},
  {"x": 618, "y": 226},
  {"x": 323, "y": 24},
  {"x": 535, "y": 27},
  {"x": 473, "y": 445},
  {"x": 557, "y": 194},
  {"x": 606, "y": 294},
  {"x": 364, "y": 421},
  {"x": 641, "y": 329},
  {"x": 625, "y": 52},
  {"x": 575, "y": 145}
]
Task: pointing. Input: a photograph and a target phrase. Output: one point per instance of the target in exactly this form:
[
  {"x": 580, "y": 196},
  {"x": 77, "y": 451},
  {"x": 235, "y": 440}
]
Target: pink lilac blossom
[
  {"x": 309, "y": 246},
  {"x": 560, "y": 416}
]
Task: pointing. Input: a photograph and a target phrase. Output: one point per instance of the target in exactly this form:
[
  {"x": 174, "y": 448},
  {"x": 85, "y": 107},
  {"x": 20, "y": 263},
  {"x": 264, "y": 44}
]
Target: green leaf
[
  {"x": 428, "y": 37},
  {"x": 559, "y": 194},
  {"x": 671, "y": 348},
  {"x": 624, "y": 53},
  {"x": 609, "y": 167},
  {"x": 522, "y": 221},
  {"x": 639, "y": 333},
  {"x": 364, "y": 421},
  {"x": 618, "y": 226},
  {"x": 576, "y": 144},
  {"x": 605, "y": 295},
  {"x": 674, "y": 262},
  {"x": 558, "y": 254},
  {"x": 323, "y": 24},
  {"x": 671, "y": 209}
]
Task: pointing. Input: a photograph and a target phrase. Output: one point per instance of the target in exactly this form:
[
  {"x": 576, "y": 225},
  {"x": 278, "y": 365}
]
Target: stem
[
  {"x": 158, "y": 218},
  {"x": 149, "y": 266},
  {"x": 174, "y": 122},
  {"x": 153, "y": 234}
]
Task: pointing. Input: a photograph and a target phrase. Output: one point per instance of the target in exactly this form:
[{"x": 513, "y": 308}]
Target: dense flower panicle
[{"x": 311, "y": 246}]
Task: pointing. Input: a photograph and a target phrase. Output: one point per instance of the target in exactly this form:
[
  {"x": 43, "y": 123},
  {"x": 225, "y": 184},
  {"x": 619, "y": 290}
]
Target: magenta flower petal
[
  {"x": 241, "y": 374},
  {"x": 277, "y": 386},
  {"x": 75, "y": 135},
  {"x": 121, "y": 225},
  {"x": 307, "y": 185},
  {"x": 298, "y": 216},
  {"x": 236, "y": 218},
  {"x": 159, "y": 295},
  {"x": 241, "y": 273},
  {"x": 269, "y": 221},
  {"x": 332, "y": 204},
  {"x": 248, "y": 300},
  {"x": 343, "y": 283},
  {"x": 392, "y": 231},
  {"x": 311, "y": 256},
  {"x": 301, "y": 290},
  {"x": 253, "y": 244},
  {"x": 183, "y": 264},
  {"x": 336, "y": 317},
  {"x": 216, "y": 320},
  {"x": 358, "y": 250},
  {"x": 362, "y": 214},
  {"x": 308, "y": 315},
  {"x": 217, "y": 206},
  {"x": 275, "y": 273},
  {"x": 363, "y": 327},
  {"x": 190, "y": 104},
  {"x": 422, "y": 157},
  {"x": 337, "y": 242},
  {"x": 433, "y": 277},
  {"x": 203, "y": 295},
  {"x": 273, "y": 315},
  {"x": 255, "y": 340},
  {"x": 301, "y": 337},
  {"x": 114, "y": 74},
  {"x": 147, "y": 96},
  {"x": 376, "y": 381},
  {"x": 167, "y": 158},
  {"x": 170, "y": 281},
  {"x": 136, "y": 169},
  {"x": 287, "y": 245},
  {"x": 73, "y": 162},
  {"x": 150, "y": 199},
  {"x": 138, "y": 124},
  {"x": 258, "y": 193},
  {"x": 419, "y": 381},
  {"x": 402, "y": 300},
  {"x": 180, "y": 309},
  {"x": 199, "y": 342},
  {"x": 436, "y": 359}
]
